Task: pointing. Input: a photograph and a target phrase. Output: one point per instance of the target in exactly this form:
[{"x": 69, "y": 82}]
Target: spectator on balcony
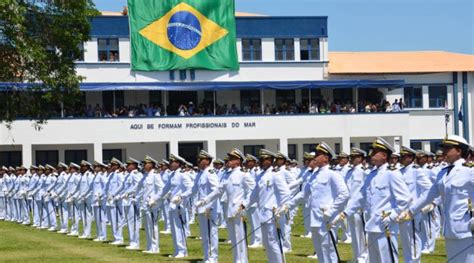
[
  {"x": 314, "y": 108},
  {"x": 388, "y": 107},
  {"x": 182, "y": 110},
  {"x": 396, "y": 106},
  {"x": 97, "y": 111},
  {"x": 190, "y": 108}
]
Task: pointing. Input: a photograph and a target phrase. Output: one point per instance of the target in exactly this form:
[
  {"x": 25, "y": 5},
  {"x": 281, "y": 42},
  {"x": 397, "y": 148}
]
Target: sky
[{"x": 374, "y": 25}]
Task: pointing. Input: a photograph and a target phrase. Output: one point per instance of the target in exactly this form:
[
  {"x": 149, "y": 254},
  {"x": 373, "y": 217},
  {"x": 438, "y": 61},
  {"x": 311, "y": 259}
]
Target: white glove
[
  {"x": 388, "y": 220},
  {"x": 176, "y": 199},
  {"x": 124, "y": 196},
  {"x": 283, "y": 209},
  {"x": 201, "y": 203},
  {"x": 341, "y": 216},
  {"x": 326, "y": 213},
  {"x": 152, "y": 202},
  {"x": 428, "y": 208},
  {"x": 404, "y": 217}
]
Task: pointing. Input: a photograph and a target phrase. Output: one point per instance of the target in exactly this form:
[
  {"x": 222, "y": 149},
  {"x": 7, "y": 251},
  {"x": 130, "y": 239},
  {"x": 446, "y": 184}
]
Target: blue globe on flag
[{"x": 184, "y": 30}]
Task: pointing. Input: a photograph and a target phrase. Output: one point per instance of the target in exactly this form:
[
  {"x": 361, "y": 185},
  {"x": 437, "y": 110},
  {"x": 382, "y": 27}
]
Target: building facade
[{"x": 289, "y": 94}]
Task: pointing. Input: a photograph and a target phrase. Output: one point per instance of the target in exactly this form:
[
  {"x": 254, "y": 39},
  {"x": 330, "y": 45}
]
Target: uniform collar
[
  {"x": 324, "y": 168},
  {"x": 383, "y": 167},
  {"x": 459, "y": 162}
]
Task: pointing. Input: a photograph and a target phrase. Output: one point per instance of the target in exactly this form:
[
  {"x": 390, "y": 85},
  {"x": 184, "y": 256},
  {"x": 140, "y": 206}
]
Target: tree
[{"x": 40, "y": 40}]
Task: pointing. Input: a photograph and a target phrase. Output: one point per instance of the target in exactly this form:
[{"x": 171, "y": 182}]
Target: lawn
[{"x": 20, "y": 243}]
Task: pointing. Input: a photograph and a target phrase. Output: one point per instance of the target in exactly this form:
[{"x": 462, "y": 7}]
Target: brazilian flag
[{"x": 182, "y": 34}]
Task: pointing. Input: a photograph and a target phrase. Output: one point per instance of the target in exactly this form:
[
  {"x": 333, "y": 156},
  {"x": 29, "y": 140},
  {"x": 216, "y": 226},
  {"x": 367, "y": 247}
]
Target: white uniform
[
  {"x": 114, "y": 204},
  {"x": 455, "y": 185},
  {"x": 355, "y": 179},
  {"x": 149, "y": 187},
  {"x": 271, "y": 191},
  {"x": 205, "y": 183},
  {"x": 253, "y": 217},
  {"x": 64, "y": 207},
  {"x": 418, "y": 183},
  {"x": 383, "y": 191},
  {"x": 131, "y": 207},
  {"x": 49, "y": 207},
  {"x": 234, "y": 184},
  {"x": 325, "y": 190},
  {"x": 179, "y": 184}
]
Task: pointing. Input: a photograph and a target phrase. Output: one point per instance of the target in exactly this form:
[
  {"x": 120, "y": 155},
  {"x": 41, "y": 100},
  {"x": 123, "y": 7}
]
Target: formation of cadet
[{"x": 374, "y": 199}]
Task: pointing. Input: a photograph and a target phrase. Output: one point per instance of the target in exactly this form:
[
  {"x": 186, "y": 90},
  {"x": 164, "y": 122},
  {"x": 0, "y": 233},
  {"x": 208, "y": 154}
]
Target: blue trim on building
[
  {"x": 247, "y": 27},
  {"x": 195, "y": 86}
]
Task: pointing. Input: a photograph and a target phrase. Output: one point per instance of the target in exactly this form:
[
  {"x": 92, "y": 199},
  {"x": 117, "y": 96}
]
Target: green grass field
[{"x": 20, "y": 243}]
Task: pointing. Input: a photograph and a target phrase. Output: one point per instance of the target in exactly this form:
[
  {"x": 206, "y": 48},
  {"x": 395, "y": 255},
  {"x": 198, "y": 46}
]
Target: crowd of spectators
[{"x": 205, "y": 108}]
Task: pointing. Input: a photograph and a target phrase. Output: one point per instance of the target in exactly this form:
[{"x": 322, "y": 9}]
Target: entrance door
[{"x": 189, "y": 151}]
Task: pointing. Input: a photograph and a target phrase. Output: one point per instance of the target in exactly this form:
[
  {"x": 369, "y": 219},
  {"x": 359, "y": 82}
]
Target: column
[
  {"x": 283, "y": 146},
  {"x": 455, "y": 103},
  {"x": 465, "y": 107},
  {"x": 173, "y": 146},
  {"x": 27, "y": 155},
  {"x": 98, "y": 152},
  {"x": 346, "y": 144},
  {"x": 211, "y": 148},
  {"x": 425, "y": 96}
]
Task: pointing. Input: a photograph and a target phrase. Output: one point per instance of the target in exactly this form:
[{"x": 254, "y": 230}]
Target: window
[
  {"x": 337, "y": 147},
  {"x": 113, "y": 100},
  {"x": 438, "y": 96},
  {"x": 108, "y": 49},
  {"x": 416, "y": 145},
  {"x": 11, "y": 158},
  {"x": 108, "y": 154},
  {"x": 251, "y": 49},
  {"x": 47, "y": 157},
  {"x": 284, "y": 49},
  {"x": 434, "y": 145},
  {"x": 311, "y": 147},
  {"x": 75, "y": 156},
  {"x": 250, "y": 101},
  {"x": 365, "y": 146},
  {"x": 253, "y": 149},
  {"x": 309, "y": 49},
  {"x": 81, "y": 54},
  {"x": 413, "y": 97},
  {"x": 292, "y": 151}
]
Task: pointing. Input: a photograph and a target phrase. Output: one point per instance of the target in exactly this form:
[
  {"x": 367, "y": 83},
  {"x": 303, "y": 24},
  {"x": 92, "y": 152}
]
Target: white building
[{"x": 284, "y": 60}]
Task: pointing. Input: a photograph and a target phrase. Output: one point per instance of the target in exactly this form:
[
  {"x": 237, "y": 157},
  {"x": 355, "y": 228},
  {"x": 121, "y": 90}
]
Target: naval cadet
[
  {"x": 455, "y": 185},
  {"x": 384, "y": 195},
  {"x": 205, "y": 183},
  {"x": 327, "y": 194},
  {"x": 271, "y": 191},
  {"x": 252, "y": 214},
  {"x": 177, "y": 189},
  {"x": 149, "y": 187},
  {"x": 418, "y": 183},
  {"x": 354, "y": 179},
  {"x": 235, "y": 183},
  {"x": 114, "y": 206}
]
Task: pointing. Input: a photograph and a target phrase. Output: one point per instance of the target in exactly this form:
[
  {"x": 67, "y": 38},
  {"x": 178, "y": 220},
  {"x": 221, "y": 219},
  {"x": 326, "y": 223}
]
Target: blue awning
[{"x": 195, "y": 86}]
